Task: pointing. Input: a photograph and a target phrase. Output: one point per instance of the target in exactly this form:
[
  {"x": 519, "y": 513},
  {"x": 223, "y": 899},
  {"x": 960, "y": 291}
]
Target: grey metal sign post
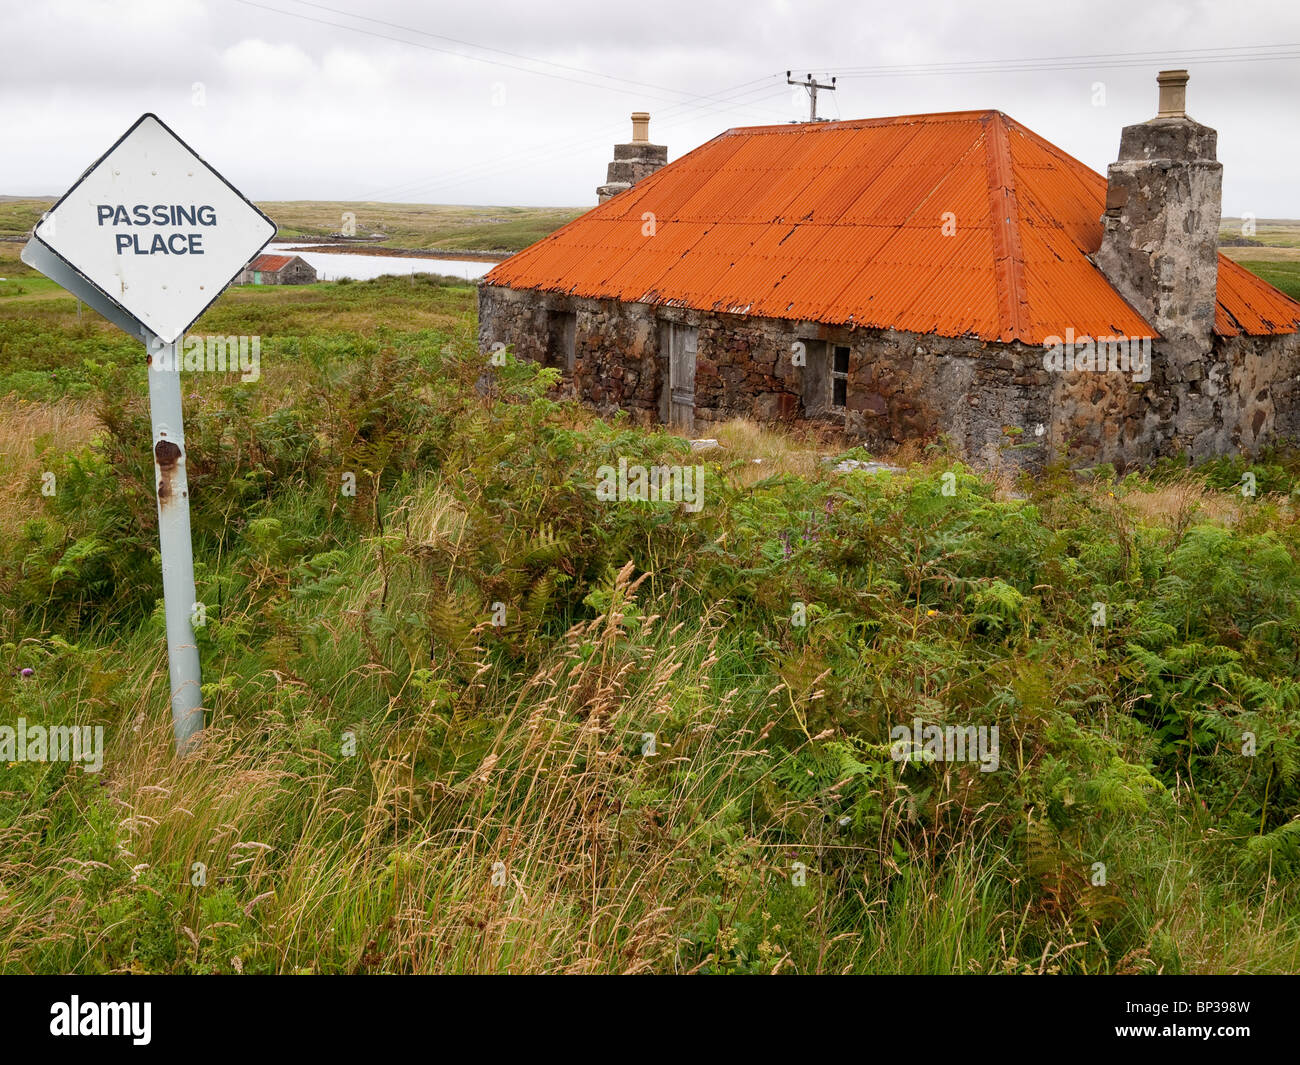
[
  {"x": 180, "y": 598},
  {"x": 149, "y": 236}
]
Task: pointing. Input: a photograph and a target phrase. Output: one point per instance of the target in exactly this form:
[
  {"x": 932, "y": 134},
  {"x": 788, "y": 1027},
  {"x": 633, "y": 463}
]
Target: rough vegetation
[{"x": 650, "y": 766}]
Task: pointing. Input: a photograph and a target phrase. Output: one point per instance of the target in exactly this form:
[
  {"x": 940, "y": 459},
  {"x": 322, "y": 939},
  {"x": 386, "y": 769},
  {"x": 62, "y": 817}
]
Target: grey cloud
[{"x": 295, "y": 109}]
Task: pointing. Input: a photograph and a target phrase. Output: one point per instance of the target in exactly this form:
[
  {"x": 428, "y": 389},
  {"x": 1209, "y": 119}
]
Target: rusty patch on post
[{"x": 167, "y": 455}]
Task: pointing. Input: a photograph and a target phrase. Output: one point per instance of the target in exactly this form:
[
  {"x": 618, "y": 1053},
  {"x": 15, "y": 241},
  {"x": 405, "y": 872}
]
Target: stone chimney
[
  {"x": 1161, "y": 240},
  {"x": 633, "y": 161}
]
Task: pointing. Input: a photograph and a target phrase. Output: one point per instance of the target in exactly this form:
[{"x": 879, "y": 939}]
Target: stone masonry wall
[{"x": 984, "y": 396}]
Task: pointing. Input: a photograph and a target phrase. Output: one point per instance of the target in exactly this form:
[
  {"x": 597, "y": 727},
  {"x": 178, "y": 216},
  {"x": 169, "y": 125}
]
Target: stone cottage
[
  {"x": 902, "y": 278},
  {"x": 278, "y": 270}
]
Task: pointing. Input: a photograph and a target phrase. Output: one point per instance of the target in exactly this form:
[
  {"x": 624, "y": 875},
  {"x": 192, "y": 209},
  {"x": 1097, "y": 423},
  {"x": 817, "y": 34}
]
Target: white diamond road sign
[{"x": 155, "y": 229}]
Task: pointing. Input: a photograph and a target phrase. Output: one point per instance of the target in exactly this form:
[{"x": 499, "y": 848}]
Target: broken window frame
[{"x": 839, "y": 379}]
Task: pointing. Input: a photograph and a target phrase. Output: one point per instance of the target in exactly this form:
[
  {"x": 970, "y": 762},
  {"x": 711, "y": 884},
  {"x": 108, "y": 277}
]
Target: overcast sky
[{"x": 519, "y": 102}]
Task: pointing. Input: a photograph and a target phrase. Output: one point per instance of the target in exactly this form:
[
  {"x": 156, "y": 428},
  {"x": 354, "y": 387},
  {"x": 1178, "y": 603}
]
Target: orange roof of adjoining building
[
  {"x": 271, "y": 263},
  {"x": 958, "y": 224}
]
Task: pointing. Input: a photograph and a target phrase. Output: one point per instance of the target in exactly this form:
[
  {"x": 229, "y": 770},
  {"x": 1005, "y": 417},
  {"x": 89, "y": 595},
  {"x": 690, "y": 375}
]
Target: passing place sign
[{"x": 155, "y": 229}]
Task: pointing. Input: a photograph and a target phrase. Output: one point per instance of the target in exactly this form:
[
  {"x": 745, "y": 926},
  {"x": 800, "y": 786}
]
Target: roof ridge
[
  {"x": 977, "y": 114},
  {"x": 1004, "y": 213}
]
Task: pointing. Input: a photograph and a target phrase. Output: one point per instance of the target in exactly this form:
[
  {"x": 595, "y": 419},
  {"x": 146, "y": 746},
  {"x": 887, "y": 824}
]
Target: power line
[
  {"x": 1232, "y": 54},
  {"x": 448, "y": 51},
  {"x": 1116, "y": 65},
  {"x": 1152, "y": 53},
  {"x": 1112, "y": 60},
  {"x": 537, "y": 153},
  {"x": 695, "y": 101},
  {"x": 701, "y": 102},
  {"x": 489, "y": 48}
]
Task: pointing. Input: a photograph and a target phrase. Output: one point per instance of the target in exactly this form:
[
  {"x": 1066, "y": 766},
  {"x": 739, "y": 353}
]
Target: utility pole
[{"x": 812, "y": 85}]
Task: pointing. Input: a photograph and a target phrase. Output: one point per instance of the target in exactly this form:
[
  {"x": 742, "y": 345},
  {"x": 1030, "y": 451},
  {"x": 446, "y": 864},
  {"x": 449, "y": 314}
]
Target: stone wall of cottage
[
  {"x": 1242, "y": 397},
  {"x": 995, "y": 401}
]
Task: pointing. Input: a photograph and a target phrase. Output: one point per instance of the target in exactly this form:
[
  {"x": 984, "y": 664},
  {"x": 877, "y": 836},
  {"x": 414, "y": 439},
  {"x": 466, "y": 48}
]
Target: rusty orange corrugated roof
[
  {"x": 271, "y": 263},
  {"x": 844, "y": 223},
  {"x": 1247, "y": 304}
]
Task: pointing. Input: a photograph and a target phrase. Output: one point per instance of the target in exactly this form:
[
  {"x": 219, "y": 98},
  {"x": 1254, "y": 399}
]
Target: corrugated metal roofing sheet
[
  {"x": 844, "y": 223},
  {"x": 270, "y": 263},
  {"x": 1249, "y": 305}
]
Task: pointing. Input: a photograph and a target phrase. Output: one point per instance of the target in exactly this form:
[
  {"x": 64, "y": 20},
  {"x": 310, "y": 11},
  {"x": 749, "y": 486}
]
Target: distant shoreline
[{"x": 366, "y": 248}]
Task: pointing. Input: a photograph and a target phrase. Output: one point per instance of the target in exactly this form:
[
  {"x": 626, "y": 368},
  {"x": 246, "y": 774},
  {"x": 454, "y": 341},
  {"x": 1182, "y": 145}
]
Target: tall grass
[{"x": 647, "y": 766}]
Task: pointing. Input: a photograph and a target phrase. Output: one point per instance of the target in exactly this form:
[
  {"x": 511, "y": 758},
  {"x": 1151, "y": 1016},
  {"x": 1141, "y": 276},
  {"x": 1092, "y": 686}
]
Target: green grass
[
  {"x": 18, "y": 217},
  {"x": 390, "y": 782},
  {"x": 49, "y": 350}
]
